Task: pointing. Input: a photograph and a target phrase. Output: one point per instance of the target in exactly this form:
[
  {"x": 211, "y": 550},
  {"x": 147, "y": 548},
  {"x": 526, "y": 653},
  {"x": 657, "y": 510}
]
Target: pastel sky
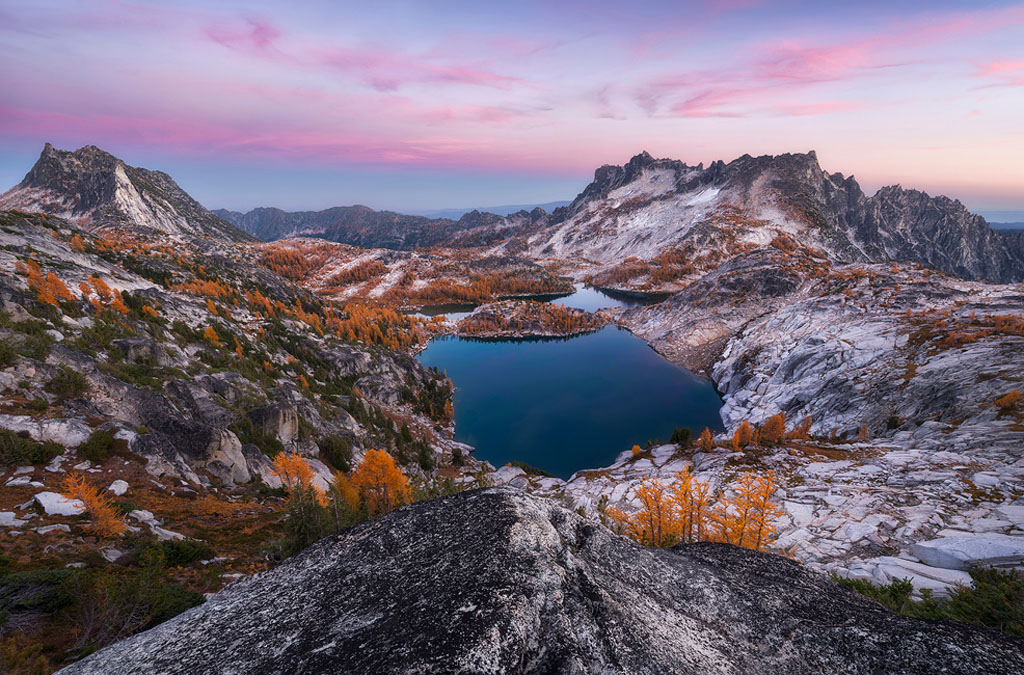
[{"x": 417, "y": 105}]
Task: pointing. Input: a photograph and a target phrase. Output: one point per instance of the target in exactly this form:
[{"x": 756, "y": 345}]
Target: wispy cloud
[
  {"x": 1002, "y": 73},
  {"x": 384, "y": 68}
]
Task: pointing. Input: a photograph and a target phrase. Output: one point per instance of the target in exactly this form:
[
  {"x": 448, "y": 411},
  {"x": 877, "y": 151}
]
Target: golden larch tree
[
  {"x": 103, "y": 516},
  {"x": 296, "y": 474},
  {"x": 706, "y": 442},
  {"x": 380, "y": 482},
  {"x": 211, "y": 336},
  {"x": 743, "y": 436},
  {"x": 773, "y": 431}
]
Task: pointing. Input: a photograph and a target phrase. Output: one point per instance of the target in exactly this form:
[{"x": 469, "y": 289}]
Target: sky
[{"x": 420, "y": 105}]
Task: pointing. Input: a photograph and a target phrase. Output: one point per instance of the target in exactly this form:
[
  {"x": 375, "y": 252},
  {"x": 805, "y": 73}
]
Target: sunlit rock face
[{"x": 497, "y": 581}]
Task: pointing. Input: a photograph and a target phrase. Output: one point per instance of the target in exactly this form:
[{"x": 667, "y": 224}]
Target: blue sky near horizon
[{"x": 431, "y": 105}]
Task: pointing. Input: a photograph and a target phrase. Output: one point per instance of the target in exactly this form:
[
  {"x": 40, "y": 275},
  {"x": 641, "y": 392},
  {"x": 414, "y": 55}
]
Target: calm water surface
[{"x": 568, "y": 404}]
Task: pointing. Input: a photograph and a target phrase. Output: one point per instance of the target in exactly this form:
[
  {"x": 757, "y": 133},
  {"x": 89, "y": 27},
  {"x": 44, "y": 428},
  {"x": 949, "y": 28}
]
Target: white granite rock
[
  {"x": 961, "y": 553},
  {"x": 55, "y": 504},
  {"x": 507, "y": 474},
  {"x": 10, "y": 519},
  {"x": 58, "y": 527}
]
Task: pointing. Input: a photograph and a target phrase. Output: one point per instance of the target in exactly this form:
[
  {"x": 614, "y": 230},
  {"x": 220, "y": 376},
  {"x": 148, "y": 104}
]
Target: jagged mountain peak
[
  {"x": 647, "y": 205},
  {"x": 99, "y": 191}
]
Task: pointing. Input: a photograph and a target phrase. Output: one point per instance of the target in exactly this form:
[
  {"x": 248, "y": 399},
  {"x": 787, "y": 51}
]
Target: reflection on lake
[{"x": 568, "y": 404}]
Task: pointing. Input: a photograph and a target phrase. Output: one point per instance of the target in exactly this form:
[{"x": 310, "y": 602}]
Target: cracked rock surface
[{"x": 498, "y": 581}]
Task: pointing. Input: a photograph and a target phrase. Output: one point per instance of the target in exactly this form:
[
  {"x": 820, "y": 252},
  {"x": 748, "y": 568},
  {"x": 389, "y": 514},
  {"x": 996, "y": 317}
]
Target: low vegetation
[{"x": 995, "y": 599}]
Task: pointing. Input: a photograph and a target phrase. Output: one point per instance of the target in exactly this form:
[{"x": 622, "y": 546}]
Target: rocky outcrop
[
  {"x": 278, "y": 420},
  {"x": 97, "y": 190},
  {"x": 496, "y": 581}
]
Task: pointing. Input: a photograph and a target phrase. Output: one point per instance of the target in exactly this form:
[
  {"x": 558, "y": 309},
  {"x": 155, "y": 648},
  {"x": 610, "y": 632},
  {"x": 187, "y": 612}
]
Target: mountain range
[{"x": 635, "y": 210}]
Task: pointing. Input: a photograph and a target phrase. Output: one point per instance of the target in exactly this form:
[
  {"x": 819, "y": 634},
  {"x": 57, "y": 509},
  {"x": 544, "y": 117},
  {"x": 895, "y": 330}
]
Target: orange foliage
[
  {"x": 692, "y": 501},
  {"x": 296, "y": 473},
  {"x": 49, "y": 289},
  {"x": 149, "y": 311},
  {"x": 105, "y": 520},
  {"x": 479, "y": 288},
  {"x": 77, "y": 243},
  {"x": 636, "y": 451},
  {"x": 211, "y": 336},
  {"x": 802, "y": 430},
  {"x": 104, "y": 291},
  {"x": 529, "y": 316},
  {"x": 774, "y": 429},
  {"x": 358, "y": 273},
  {"x": 380, "y": 482},
  {"x": 1009, "y": 401},
  {"x": 373, "y": 325},
  {"x": 53, "y": 289},
  {"x": 210, "y": 307},
  {"x": 748, "y": 517},
  {"x": 685, "y": 512},
  {"x": 117, "y": 304},
  {"x": 209, "y": 288},
  {"x": 743, "y": 436},
  {"x": 345, "y": 491},
  {"x": 291, "y": 263},
  {"x": 706, "y": 442},
  {"x": 654, "y": 524}
]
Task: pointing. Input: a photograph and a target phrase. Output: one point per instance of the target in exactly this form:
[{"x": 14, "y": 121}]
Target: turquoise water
[
  {"x": 568, "y": 404},
  {"x": 584, "y": 297},
  {"x": 591, "y": 299}
]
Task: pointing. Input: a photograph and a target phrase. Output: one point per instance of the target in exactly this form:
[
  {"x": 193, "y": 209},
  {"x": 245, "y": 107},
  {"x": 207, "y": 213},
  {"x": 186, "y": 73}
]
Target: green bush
[
  {"x": 67, "y": 383},
  {"x": 109, "y": 604},
  {"x": 173, "y": 553},
  {"x": 336, "y": 451},
  {"x": 995, "y": 599},
  {"x": 35, "y": 346},
  {"x": 532, "y": 470},
  {"x": 7, "y": 353},
  {"x": 99, "y": 446},
  {"x": 15, "y": 449},
  {"x": 37, "y": 405},
  {"x": 423, "y": 456},
  {"x": 680, "y": 436}
]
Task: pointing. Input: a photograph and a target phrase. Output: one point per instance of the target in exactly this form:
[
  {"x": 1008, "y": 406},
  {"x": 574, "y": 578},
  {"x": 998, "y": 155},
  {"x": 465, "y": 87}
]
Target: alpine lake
[{"x": 566, "y": 404}]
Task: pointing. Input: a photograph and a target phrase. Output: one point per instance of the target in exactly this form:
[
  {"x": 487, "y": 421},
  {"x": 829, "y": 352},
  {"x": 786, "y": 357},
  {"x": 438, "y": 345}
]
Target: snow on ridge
[
  {"x": 704, "y": 196},
  {"x": 651, "y": 183}
]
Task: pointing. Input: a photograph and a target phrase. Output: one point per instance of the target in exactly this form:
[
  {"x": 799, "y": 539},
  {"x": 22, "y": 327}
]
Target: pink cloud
[
  {"x": 259, "y": 35},
  {"x": 382, "y": 68},
  {"x": 771, "y": 75},
  {"x": 1002, "y": 73},
  {"x": 228, "y": 138}
]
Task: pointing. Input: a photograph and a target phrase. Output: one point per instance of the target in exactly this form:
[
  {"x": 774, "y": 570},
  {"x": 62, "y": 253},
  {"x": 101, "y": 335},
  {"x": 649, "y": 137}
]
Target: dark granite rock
[{"x": 496, "y": 581}]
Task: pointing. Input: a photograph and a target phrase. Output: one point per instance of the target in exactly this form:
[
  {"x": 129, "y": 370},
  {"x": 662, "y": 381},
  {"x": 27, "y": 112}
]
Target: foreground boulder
[{"x": 497, "y": 581}]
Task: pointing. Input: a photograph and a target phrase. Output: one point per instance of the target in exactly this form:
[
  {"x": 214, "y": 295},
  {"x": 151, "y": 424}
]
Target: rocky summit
[
  {"x": 96, "y": 190},
  {"x": 497, "y": 581}
]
